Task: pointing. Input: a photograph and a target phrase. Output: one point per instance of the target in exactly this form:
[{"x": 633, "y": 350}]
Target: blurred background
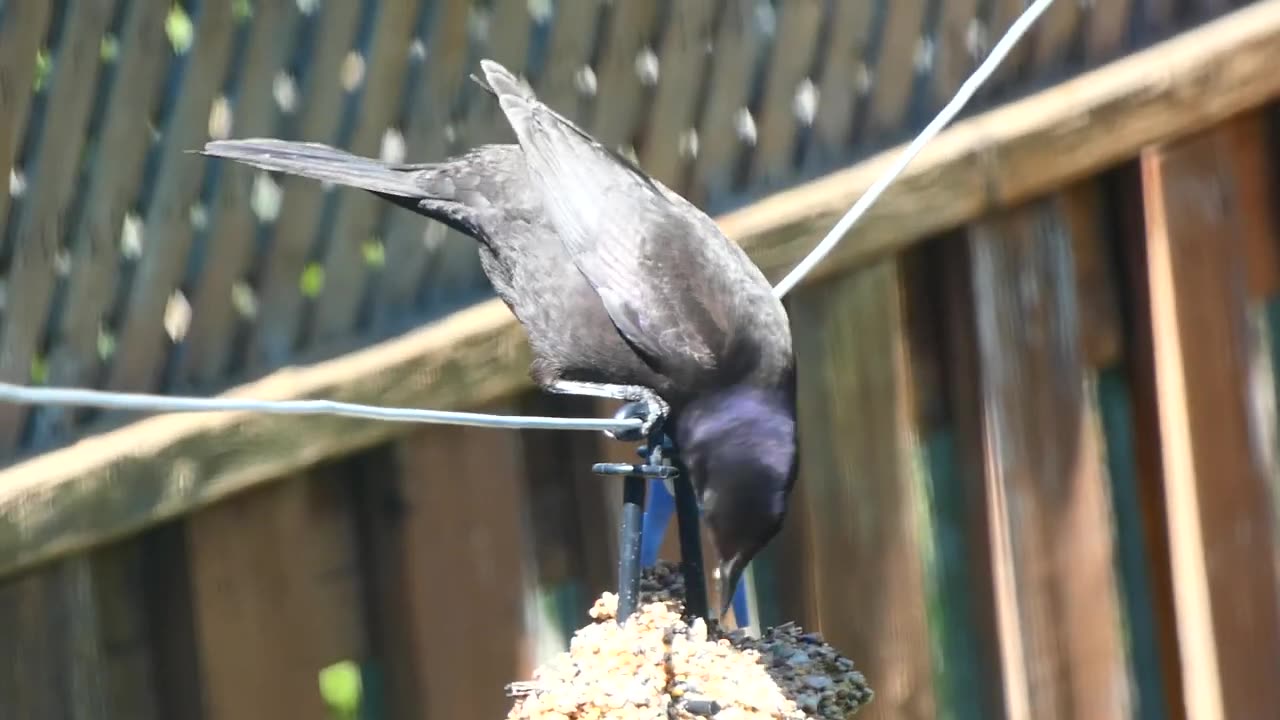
[{"x": 1039, "y": 464}]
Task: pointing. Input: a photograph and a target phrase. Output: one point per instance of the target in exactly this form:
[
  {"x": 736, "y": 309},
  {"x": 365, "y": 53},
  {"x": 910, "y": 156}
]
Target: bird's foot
[{"x": 645, "y": 405}]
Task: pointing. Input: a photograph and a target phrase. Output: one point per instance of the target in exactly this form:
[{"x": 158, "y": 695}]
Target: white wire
[
  {"x": 21, "y": 395},
  {"x": 957, "y": 103},
  {"x": 18, "y": 394}
]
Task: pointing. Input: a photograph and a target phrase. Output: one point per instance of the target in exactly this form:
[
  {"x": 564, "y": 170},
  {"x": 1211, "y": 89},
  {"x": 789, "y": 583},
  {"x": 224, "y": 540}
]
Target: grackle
[{"x": 625, "y": 289}]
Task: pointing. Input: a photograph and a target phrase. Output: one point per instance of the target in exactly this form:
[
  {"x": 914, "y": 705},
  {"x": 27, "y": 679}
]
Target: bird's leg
[{"x": 655, "y": 408}]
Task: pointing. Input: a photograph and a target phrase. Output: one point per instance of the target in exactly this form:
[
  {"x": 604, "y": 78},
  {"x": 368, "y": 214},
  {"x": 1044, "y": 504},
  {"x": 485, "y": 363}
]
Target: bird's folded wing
[{"x": 665, "y": 275}]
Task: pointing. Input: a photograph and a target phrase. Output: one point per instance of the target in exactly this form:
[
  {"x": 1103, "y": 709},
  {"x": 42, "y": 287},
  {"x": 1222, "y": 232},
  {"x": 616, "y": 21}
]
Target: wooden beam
[{"x": 120, "y": 482}]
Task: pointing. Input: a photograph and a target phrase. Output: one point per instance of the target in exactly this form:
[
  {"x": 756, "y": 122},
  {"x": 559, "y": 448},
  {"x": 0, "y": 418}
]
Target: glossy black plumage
[{"x": 625, "y": 289}]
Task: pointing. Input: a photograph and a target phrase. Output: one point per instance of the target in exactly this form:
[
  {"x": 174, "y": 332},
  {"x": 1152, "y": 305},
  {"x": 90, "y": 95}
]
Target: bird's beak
[{"x": 728, "y": 575}]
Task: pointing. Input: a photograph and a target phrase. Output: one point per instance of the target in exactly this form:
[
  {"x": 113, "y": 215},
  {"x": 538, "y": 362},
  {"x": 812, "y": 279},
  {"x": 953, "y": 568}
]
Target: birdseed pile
[{"x": 659, "y": 665}]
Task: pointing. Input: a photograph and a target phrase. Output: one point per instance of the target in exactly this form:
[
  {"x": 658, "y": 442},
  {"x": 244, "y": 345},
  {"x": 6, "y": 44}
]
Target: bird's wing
[{"x": 670, "y": 281}]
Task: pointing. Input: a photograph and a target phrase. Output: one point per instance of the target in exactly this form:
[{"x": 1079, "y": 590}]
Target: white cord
[
  {"x": 20, "y": 395},
  {"x": 962, "y": 97}
]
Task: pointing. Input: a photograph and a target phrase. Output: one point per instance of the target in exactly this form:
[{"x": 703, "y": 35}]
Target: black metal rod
[
  {"x": 695, "y": 579},
  {"x": 629, "y": 545}
]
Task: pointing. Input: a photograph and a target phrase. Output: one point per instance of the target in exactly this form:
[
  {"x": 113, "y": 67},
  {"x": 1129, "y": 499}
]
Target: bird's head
[{"x": 739, "y": 446}]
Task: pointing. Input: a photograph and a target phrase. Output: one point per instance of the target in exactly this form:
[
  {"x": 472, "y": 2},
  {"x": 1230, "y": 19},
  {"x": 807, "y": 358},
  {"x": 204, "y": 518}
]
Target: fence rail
[{"x": 1037, "y": 397}]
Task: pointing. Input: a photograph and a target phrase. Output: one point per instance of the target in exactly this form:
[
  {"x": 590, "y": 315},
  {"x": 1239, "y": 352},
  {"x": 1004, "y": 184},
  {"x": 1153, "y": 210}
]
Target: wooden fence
[{"x": 1038, "y": 398}]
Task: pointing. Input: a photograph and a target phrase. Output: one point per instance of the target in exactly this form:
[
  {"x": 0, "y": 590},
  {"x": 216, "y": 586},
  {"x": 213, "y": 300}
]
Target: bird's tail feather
[{"x": 319, "y": 162}]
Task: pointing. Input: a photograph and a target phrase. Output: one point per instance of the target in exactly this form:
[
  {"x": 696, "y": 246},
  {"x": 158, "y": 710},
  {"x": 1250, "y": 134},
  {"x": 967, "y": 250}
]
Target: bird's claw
[{"x": 651, "y": 409}]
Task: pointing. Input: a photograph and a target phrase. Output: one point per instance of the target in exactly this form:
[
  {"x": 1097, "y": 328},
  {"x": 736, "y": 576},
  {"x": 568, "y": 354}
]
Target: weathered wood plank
[
  {"x": 1149, "y": 485},
  {"x": 567, "y": 504},
  {"x": 1054, "y": 36},
  {"x": 1057, "y": 594},
  {"x": 39, "y": 239},
  {"x": 21, "y": 36},
  {"x": 946, "y": 415},
  {"x": 954, "y": 48},
  {"x": 569, "y": 556},
  {"x": 1002, "y": 14},
  {"x": 122, "y": 481},
  {"x": 209, "y": 341},
  {"x": 1106, "y": 29},
  {"x": 682, "y": 66},
  {"x": 413, "y": 242},
  {"x": 279, "y": 286},
  {"x": 861, "y": 493},
  {"x": 895, "y": 70},
  {"x": 77, "y": 640},
  {"x": 277, "y": 596},
  {"x": 94, "y": 252},
  {"x": 619, "y": 96},
  {"x": 345, "y": 269},
  {"x": 172, "y": 633},
  {"x": 167, "y": 228},
  {"x": 790, "y": 63},
  {"x": 737, "y": 42},
  {"x": 127, "y": 664},
  {"x": 451, "y": 483},
  {"x": 1252, "y": 182},
  {"x": 572, "y": 33},
  {"x": 1159, "y": 17},
  {"x": 1080, "y": 213},
  {"x": 1220, "y": 515},
  {"x": 507, "y": 42},
  {"x": 842, "y": 89},
  {"x": 31, "y": 647}
]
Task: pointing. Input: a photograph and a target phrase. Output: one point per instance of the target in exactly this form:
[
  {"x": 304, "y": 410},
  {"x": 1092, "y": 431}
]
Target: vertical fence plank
[
  {"x": 956, "y": 49},
  {"x": 416, "y": 246},
  {"x": 681, "y": 70},
  {"x": 947, "y": 448},
  {"x": 1159, "y": 17},
  {"x": 1002, "y": 14},
  {"x": 1149, "y": 489},
  {"x": 1220, "y": 515},
  {"x": 791, "y": 61},
  {"x": 39, "y": 234},
  {"x": 506, "y": 42},
  {"x": 568, "y": 560},
  {"x": 22, "y": 35},
  {"x": 619, "y": 91},
  {"x": 572, "y": 34},
  {"x": 209, "y": 341},
  {"x": 1054, "y": 36},
  {"x": 277, "y": 596},
  {"x": 1106, "y": 29},
  {"x": 76, "y": 644},
  {"x": 28, "y": 687},
  {"x": 845, "y": 80},
  {"x": 127, "y": 662},
  {"x": 737, "y": 43},
  {"x": 895, "y": 70},
  {"x": 1057, "y": 593},
  {"x": 860, "y": 491},
  {"x": 345, "y": 269},
  {"x": 114, "y": 186},
  {"x": 445, "y": 525},
  {"x": 279, "y": 285},
  {"x": 167, "y": 228}
]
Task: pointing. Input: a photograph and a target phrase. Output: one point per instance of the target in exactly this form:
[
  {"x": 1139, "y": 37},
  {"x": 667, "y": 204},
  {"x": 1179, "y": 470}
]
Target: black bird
[{"x": 625, "y": 289}]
